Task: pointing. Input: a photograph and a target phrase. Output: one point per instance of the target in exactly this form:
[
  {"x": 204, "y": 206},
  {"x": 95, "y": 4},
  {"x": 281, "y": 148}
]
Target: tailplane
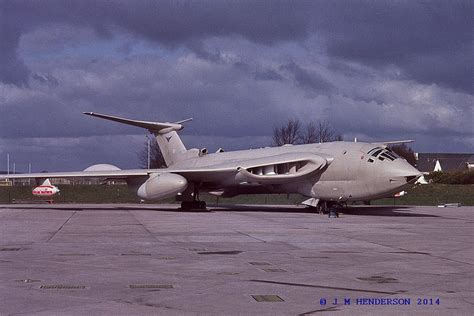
[{"x": 166, "y": 135}]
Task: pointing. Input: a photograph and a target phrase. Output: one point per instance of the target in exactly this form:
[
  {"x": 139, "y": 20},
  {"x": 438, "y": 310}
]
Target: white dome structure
[{"x": 102, "y": 167}]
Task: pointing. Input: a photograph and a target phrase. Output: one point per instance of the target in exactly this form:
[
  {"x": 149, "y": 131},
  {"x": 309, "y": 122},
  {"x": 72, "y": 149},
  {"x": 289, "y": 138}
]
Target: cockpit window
[
  {"x": 391, "y": 152},
  {"x": 387, "y": 156},
  {"x": 381, "y": 154},
  {"x": 375, "y": 154},
  {"x": 372, "y": 150}
]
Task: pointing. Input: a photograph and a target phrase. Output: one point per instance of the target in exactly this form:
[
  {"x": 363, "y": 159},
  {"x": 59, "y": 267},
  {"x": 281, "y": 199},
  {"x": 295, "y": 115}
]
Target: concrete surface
[{"x": 132, "y": 259}]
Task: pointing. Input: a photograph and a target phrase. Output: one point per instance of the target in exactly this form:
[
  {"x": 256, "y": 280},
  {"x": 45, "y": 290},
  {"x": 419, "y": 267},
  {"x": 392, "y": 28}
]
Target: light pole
[
  {"x": 8, "y": 163},
  {"x": 148, "y": 164}
]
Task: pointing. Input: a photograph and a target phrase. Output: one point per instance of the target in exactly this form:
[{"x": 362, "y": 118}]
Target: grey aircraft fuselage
[{"x": 349, "y": 177}]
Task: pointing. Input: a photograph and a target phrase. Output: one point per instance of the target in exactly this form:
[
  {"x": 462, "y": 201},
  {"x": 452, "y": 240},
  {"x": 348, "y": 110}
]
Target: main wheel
[
  {"x": 333, "y": 210},
  {"x": 193, "y": 205}
]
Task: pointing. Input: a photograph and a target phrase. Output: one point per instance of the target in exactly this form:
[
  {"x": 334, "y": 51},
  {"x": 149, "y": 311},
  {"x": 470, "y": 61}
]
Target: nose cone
[{"x": 401, "y": 170}]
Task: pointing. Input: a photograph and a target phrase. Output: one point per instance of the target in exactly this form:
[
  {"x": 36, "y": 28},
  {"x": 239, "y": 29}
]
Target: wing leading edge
[
  {"x": 115, "y": 174},
  {"x": 268, "y": 170}
]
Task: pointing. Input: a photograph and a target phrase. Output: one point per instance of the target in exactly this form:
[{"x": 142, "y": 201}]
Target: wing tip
[{"x": 184, "y": 121}]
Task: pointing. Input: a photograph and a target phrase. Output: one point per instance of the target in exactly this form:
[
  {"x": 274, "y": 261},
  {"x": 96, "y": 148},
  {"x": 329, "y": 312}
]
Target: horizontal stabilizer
[{"x": 154, "y": 127}]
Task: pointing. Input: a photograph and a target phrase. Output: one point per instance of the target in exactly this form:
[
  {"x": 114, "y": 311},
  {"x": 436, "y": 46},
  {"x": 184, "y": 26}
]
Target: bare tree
[
  {"x": 324, "y": 132},
  {"x": 156, "y": 158},
  {"x": 293, "y": 132},
  {"x": 287, "y": 134},
  {"x": 319, "y": 132},
  {"x": 311, "y": 134}
]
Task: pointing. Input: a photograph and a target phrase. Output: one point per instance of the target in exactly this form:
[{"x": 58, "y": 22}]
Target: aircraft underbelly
[{"x": 348, "y": 190}]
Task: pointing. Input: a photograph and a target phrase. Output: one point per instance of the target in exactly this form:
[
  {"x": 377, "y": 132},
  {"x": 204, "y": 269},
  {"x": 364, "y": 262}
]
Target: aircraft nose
[{"x": 402, "y": 169}]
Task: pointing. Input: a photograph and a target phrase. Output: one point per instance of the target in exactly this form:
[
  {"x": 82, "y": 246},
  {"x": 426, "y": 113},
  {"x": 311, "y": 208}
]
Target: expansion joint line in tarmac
[{"x": 54, "y": 234}]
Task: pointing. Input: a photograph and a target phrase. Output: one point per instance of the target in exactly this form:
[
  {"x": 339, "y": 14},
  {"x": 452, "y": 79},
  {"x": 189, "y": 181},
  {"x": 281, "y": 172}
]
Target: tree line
[{"x": 295, "y": 132}]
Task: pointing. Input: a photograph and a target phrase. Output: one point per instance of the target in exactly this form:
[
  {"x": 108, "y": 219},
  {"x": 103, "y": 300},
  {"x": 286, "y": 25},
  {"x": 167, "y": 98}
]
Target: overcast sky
[{"x": 375, "y": 70}]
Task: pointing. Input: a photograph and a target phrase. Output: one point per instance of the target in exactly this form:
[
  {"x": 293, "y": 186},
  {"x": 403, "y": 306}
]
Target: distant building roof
[{"x": 449, "y": 162}]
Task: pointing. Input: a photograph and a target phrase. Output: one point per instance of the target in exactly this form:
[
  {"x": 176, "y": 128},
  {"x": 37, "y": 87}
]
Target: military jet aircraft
[{"x": 327, "y": 173}]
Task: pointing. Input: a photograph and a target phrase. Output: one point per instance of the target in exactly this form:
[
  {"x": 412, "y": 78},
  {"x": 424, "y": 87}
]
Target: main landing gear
[
  {"x": 333, "y": 210},
  {"x": 190, "y": 199},
  {"x": 193, "y": 205}
]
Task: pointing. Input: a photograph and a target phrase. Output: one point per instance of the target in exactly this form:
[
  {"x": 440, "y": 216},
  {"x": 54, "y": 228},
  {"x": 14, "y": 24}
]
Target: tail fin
[
  {"x": 170, "y": 143},
  {"x": 171, "y": 146}
]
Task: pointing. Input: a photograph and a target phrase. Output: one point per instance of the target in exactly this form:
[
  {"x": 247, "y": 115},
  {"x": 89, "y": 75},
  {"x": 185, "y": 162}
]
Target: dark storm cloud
[
  {"x": 46, "y": 79},
  {"x": 138, "y": 87},
  {"x": 430, "y": 40},
  {"x": 171, "y": 23},
  {"x": 12, "y": 68},
  {"x": 307, "y": 79},
  {"x": 267, "y": 74}
]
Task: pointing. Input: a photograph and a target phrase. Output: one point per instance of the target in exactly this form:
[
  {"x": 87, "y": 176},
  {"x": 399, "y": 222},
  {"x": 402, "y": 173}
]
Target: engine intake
[{"x": 161, "y": 186}]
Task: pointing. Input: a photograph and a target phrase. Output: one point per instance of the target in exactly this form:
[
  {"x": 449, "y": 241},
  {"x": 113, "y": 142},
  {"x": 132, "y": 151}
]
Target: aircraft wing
[
  {"x": 266, "y": 170},
  {"x": 115, "y": 174}
]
